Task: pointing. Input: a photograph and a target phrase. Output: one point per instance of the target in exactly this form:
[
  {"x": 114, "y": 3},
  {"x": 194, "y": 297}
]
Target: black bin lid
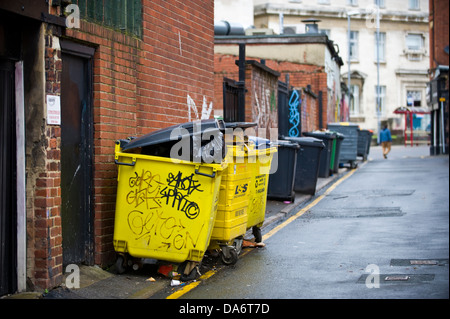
[
  {"x": 163, "y": 136},
  {"x": 286, "y": 144},
  {"x": 307, "y": 141},
  {"x": 240, "y": 124},
  {"x": 319, "y": 134}
]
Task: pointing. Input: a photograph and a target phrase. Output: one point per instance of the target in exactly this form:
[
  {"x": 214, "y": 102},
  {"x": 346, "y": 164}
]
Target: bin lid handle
[{"x": 204, "y": 174}]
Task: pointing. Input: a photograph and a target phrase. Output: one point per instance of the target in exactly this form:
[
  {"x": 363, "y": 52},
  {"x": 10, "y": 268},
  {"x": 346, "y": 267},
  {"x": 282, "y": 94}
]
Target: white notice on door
[{"x": 53, "y": 110}]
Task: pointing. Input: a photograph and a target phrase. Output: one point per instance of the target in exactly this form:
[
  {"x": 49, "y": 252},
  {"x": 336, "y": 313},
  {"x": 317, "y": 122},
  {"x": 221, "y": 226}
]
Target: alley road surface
[{"x": 382, "y": 233}]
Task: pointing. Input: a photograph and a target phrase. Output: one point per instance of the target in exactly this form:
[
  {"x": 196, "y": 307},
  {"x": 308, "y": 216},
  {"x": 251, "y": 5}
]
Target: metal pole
[
  {"x": 378, "y": 75},
  {"x": 348, "y": 61},
  {"x": 241, "y": 84},
  {"x": 442, "y": 127}
]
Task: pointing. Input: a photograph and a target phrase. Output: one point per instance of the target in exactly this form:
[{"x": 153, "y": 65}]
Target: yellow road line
[
  {"x": 305, "y": 209},
  {"x": 177, "y": 294}
]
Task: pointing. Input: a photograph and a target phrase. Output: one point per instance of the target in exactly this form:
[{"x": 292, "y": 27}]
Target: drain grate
[
  {"x": 396, "y": 278},
  {"x": 399, "y": 278},
  {"x": 423, "y": 262},
  {"x": 419, "y": 262},
  {"x": 373, "y": 193},
  {"x": 357, "y": 212}
]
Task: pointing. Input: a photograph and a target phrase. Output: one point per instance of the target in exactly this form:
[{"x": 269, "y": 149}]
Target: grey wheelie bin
[
  {"x": 281, "y": 181},
  {"x": 326, "y": 154},
  {"x": 335, "y": 165},
  {"x": 349, "y": 146},
  {"x": 308, "y": 161},
  {"x": 364, "y": 139}
]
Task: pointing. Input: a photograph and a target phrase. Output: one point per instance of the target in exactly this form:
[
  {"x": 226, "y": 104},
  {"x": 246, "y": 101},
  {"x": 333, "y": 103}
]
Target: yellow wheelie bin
[
  {"x": 260, "y": 168},
  {"x": 165, "y": 208},
  {"x": 231, "y": 219}
]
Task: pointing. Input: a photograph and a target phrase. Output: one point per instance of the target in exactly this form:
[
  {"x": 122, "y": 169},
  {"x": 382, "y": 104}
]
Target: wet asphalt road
[{"x": 386, "y": 226}]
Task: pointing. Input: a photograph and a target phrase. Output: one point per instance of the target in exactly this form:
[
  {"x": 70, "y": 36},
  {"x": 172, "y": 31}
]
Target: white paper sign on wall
[{"x": 53, "y": 110}]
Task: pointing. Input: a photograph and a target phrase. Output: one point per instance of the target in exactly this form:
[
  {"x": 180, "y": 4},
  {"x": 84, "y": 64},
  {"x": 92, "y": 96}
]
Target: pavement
[{"x": 147, "y": 283}]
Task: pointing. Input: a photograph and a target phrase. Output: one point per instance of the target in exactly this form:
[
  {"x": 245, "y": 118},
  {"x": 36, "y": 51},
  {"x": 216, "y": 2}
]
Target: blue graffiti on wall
[{"x": 294, "y": 115}]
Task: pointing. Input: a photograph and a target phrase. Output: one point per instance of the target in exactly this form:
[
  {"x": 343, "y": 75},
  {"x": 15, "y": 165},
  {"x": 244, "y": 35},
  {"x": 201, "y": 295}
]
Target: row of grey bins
[{"x": 301, "y": 160}]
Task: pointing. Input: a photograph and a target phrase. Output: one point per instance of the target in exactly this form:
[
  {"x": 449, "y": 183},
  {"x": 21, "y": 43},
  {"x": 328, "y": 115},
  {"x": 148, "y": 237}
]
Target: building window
[
  {"x": 379, "y": 3},
  {"x": 382, "y": 47},
  {"x": 323, "y": 1},
  {"x": 414, "y": 5},
  {"x": 353, "y": 45},
  {"x": 352, "y": 2},
  {"x": 413, "y": 98},
  {"x": 122, "y": 15},
  {"x": 354, "y": 105},
  {"x": 382, "y": 99},
  {"x": 414, "y": 42}
]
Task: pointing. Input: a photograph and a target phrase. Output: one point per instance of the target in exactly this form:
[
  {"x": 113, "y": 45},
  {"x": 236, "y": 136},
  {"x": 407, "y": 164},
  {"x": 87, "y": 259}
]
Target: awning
[{"x": 411, "y": 109}]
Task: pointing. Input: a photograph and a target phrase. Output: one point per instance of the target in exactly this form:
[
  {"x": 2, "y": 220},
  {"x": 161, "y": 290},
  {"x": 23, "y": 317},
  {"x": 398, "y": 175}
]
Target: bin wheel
[
  {"x": 237, "y": 243},
  {"x": 121, "y": 264},
  {"x": 191, "y": 276},
  {"x": 257, "y": 233},
  {"x": 229, "y": 255},
  {"x": 353, "y": 164}
]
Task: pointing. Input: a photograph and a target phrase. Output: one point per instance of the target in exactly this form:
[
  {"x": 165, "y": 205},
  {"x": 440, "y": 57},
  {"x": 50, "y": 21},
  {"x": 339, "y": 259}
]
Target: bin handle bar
[
  {"x": 204, "y": 174},
  {"x": 128, "y": 164}
]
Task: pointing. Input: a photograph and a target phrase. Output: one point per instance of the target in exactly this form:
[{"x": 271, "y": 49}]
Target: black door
[
  {"x": 8, "y": 202},
  {"x": 76, "y": 156}
]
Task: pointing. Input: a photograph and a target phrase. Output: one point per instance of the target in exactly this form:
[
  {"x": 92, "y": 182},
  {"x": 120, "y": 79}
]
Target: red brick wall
[
  {"x": 139, "y": 85},
  {"x": 261, "y": 100},
  {"x": 300, "y": 76},
  {"x": 45, "y": 221},
  {"x": 439, "y": 23}
]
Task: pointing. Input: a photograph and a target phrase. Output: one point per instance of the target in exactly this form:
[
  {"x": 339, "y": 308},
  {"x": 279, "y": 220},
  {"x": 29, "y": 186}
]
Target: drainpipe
[
  {"x": 320, "y": 110},
  {"x": 241, "y": 83}
]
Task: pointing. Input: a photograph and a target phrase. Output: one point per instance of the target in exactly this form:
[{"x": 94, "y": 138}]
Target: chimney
[{"x": 311, "y": 26}]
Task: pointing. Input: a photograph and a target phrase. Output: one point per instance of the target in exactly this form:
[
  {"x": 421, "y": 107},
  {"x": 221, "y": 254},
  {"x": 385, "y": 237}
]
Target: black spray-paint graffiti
[
  {"x": 146, "y": 190},
  {"x": 178, "y": 190},
  {"x": 169, "y": 232},
  {"x": 294, "y": 115}
]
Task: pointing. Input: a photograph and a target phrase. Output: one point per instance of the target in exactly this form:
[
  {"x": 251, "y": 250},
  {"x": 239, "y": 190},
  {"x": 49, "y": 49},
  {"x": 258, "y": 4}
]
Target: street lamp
[{"x": 349, "y": 14}]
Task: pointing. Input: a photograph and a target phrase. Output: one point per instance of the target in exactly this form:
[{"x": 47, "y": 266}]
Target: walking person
[{"x": 386, "y": 140}]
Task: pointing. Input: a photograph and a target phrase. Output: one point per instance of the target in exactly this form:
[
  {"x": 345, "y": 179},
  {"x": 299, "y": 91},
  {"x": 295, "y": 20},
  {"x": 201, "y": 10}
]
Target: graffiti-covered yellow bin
[{"x": 165, "y": 208}]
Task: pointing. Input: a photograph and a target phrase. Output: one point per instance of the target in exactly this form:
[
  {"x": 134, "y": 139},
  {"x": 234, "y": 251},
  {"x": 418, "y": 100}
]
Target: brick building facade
[
  {"x": 140, "y": 71},
  {"x": 438, "y": 85},
  {"x": 311, "y": 62}
]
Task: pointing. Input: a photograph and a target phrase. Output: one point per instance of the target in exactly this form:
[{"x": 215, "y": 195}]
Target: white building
[{"x": 403, "y": 48}]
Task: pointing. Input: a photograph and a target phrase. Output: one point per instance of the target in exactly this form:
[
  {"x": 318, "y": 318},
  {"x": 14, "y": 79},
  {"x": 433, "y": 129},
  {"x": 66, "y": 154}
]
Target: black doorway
[{"x": 76, "y": 154}]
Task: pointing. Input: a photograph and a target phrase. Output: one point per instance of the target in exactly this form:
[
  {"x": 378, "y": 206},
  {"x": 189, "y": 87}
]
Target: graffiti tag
[
  {"x": 145, "y": 189},
  {"x": 177, "y": 192},
  {"x": 168, "y": 232},
  {"x": 294, "y": 115}
]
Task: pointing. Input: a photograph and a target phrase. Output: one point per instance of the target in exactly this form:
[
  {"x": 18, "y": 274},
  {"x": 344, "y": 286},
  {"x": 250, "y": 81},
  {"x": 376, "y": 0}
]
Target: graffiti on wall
[
  {"x": 294, "y": 115},
  {"x": 264, "y": 108},
  {"x": 206, "y": 109}
]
